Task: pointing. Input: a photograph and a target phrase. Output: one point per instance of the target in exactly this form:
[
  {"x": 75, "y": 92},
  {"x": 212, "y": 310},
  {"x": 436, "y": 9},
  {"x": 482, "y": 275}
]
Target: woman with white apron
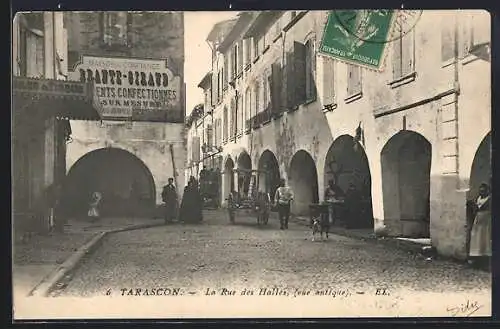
[{"x": 480, "y": 235}]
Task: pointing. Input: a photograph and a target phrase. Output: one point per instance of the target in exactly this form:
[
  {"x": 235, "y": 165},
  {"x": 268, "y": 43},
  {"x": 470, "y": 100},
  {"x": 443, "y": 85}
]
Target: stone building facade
[
  {"x": 413, "y": 140},
  {"x": 135, "y": 157},
  {"x": 42, "y": 104}
]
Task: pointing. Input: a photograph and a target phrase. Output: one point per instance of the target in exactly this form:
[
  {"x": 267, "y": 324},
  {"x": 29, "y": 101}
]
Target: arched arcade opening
[
  {"x": 347, "y": 165},
  {"x": 228, "y": 178},
  {"x": 303, "y": 179},
  {"x": 269, "y": 173},
  {"x": 244, "y": 174},
  {"x": 125, "y": 182},
  {"x": 406, "y": 167}
]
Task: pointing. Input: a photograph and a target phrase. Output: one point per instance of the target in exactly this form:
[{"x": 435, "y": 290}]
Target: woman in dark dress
[{"x": 190, "y": 211}]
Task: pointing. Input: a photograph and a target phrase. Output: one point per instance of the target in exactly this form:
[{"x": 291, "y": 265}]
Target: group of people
[{"x": 190, "y": 210}]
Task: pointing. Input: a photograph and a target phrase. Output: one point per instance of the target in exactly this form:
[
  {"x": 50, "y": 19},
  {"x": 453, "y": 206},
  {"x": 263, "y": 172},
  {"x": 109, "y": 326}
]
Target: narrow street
[{"x": 217, "y": 255}]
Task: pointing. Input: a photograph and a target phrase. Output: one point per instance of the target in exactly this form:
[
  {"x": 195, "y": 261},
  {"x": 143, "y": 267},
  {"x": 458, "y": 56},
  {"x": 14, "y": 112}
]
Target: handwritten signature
[{"x": 465, "y": 309}]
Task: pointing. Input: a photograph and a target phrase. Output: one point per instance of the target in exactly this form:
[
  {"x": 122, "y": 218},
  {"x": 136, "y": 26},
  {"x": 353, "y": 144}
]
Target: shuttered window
[
  {"x": 257, "y": 97},
  {"x": 256, "y": 47},
  {"x": 232, "y": 125},
  {"x": 310, "y": 59},
  {"x": 35, "y": 55},
  {"x": 240, "y": 57},
  {"x": 276, "y": 87},
  {"x": 265, "y": 91},
  {"x": 248, "y": 51},
  {"x": 300, "y": 73},
  {"x": 248, "y": 108},
  {"x": 209, "y": 136},
  {"x": 115, "y": 28},
  {"x": 353, "y": 80},
  {"x": 226, "y": 72},
  {"x": 225, "y": 126},
  {"x": 403, "y": 55},
  {"x": 448, "y": 36},
  {"x": 289, "y": 79},
  {"x": 329, "y": 93},
  {"x": 241, "y": 114}
]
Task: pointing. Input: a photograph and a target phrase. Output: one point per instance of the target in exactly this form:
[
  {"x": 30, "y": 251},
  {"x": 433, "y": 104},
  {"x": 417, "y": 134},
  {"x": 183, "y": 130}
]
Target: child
[{"x": 94, "y": 204}]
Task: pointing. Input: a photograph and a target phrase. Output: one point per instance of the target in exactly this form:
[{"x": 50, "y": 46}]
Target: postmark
[{"x": 360, "y": 37}]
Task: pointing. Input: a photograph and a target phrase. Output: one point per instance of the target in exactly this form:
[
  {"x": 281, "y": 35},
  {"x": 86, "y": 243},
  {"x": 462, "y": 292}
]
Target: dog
[{"x": 320, "y": 224}]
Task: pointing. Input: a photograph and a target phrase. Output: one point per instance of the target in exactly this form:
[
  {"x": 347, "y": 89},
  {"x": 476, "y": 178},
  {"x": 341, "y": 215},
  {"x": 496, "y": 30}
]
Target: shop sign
[
  {"x": 49, "y": 87},
  {"x": 131, "y": 88}
]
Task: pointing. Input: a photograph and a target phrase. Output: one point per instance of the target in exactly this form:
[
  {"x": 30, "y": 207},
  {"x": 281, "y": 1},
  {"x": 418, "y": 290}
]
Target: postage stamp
[{"x": 360, "y": 37}]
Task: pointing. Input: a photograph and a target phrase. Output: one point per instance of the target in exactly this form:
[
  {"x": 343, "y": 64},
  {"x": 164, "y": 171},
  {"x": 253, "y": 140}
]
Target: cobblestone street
[{"x": 217, "y": 255}]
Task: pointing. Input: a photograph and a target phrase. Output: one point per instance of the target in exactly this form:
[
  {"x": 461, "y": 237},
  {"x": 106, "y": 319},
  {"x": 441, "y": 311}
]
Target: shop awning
[{"x": 57, "y": 98}]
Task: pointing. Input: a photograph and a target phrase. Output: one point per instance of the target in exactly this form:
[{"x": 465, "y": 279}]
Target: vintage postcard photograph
[{"x": 251, "y": 164}]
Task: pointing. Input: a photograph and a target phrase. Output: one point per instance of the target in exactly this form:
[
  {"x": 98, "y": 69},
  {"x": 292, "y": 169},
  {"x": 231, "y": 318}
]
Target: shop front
[{"x": 41, "y": 110}]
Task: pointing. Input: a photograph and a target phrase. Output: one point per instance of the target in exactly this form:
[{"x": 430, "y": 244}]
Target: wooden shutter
[
  {"x": 299, "y": 54},
  {"x": 289, "y": 85},
  {"x": 240, "y": 56},
  {"x": 407, "y": 57},
  {"x": 328, "y": 81},
  {"x": 275, "y": 83},
  {"x": 396, "y": 58},
  {"x": 214, "y": 89}
]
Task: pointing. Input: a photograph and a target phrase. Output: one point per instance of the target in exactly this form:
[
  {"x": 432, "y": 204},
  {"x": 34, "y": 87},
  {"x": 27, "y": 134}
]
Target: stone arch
[
  {"x": 228, "y": 177},
  {"x": 244, "y": 166},
  {"x": 346, "y": 163},
  {"x": 406, "y": 167},
  {"x": 481, "y": 167},
  {"x": 126, "y": 183},
  {"x": 269, "y": 172},
  {"x": 303, "y": 179}
]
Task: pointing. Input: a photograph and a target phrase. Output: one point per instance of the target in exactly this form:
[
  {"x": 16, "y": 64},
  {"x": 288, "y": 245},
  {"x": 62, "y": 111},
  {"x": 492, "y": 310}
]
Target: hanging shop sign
[{"x": 132, "y": 89}]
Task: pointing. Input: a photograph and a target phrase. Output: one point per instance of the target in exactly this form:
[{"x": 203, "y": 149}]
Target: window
[
  {"x": 310, "y": 71},
  {"x": 448, "y": 36},
  {"x": 226, "y": 71},
  {"x": 240, "y": 111},
  {"x": 329, "y": 83},
  {"x": 248, "y": 51},
  {"x": 265, "y": 92},
  {"x": 276, "y": 81},
  {"x": 247, "y": 109},
  {"x": 353, "y": 80},
  {"x": 475, "y": 29},
  {"x": 225, "y": 126},
  {"x": 115, "y": 28},
  {"x": 234, "y": 57},
  {"x": 209, "y": 136},
  {"x": 257, "y": 98},
  {"x": 256, "y": 47},
  {"x": 233, "y": 118},
  {"x": 299, "y": 94},
  {"x": 35, "y": 56},
  {"x": 240, "y": 57},
  {"x": 403, "y": 62}
]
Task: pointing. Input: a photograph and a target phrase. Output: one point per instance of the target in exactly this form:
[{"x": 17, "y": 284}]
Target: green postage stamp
[{"x": 358, "y": 37}]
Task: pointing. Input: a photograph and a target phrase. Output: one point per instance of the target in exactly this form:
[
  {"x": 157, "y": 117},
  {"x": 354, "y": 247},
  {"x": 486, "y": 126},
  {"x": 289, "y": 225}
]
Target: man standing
[
  {"x": 283, "y": 198},
  {"x": 169, "y": 196},
  {"x": 333, "y": 194}
]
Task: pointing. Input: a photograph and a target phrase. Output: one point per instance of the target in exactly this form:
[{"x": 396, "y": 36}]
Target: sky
[{"x": 197, "y": 52}]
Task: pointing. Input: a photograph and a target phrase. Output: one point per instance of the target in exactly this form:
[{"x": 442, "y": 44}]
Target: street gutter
[{"x": 45, "y": 287}]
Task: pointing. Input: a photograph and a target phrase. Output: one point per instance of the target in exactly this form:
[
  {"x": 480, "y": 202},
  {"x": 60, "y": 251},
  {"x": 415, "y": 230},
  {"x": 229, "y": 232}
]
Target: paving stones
[{"x": 217, "y": 254}]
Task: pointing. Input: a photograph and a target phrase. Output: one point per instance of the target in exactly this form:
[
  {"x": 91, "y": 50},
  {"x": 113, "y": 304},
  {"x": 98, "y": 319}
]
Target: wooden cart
[{"x": 248, "y": 199}]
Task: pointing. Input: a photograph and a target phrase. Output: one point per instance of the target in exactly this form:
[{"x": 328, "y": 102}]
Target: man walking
[
  {"x": 169, "y": 196},
  {"x": 283, "y": 198}
]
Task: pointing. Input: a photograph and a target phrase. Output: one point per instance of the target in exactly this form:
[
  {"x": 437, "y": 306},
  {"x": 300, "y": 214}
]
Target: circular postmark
[{"x": 377, "y": 25}]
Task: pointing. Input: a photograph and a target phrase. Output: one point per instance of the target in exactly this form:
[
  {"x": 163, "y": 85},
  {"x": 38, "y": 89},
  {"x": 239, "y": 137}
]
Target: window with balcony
[{"x": 115, "y": 28}]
